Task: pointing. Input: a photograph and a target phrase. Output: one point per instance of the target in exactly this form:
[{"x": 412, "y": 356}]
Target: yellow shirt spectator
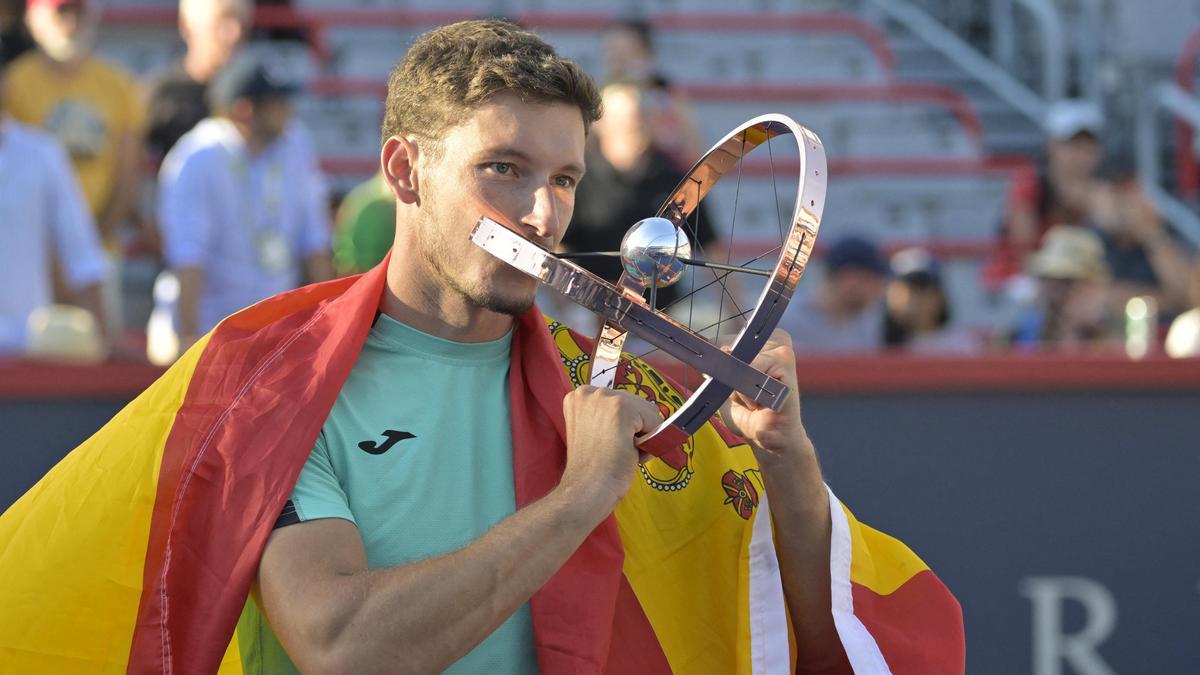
[{"x": 88, "y": 110}]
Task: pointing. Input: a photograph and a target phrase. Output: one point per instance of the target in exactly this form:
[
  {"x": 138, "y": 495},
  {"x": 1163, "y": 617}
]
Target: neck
[
  {"x": 69, "y": 66},
  {"x": 198, "y": 66},
  {"x": 254, "y": 144},
  {"x": 415, "y": 297}
]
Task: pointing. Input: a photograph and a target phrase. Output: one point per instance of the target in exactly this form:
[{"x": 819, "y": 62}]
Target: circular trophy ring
[
  {"x": 624, "y": 310},
  {"x": 794, "y": 254}
]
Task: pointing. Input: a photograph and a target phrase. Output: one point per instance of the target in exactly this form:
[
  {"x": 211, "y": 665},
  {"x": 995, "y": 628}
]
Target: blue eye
[
  {"x": 502, "y": 168},
  {"x": 565, "y": 181}
]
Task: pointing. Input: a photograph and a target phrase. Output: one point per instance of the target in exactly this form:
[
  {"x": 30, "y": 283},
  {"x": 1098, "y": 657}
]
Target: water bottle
[
  {"x": 1141, "y": 326},
  {"x": 162, "y": 340}
]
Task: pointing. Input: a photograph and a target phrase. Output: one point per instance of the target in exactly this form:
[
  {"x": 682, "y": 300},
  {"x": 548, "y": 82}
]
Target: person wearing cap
[
  {"x": 45, "y": 221},
  {"x": 918, "y": 317},
  {"x": 845, "y": 313},
  {"x": 94, "y": 108},
  {"x": 629, "y": 56},
  {"x": 1064, "y": 191},
  {"x": 213, "y": 31},
  {"x": 1072, "y": 309},
  {"x": 242, "y": 204}
]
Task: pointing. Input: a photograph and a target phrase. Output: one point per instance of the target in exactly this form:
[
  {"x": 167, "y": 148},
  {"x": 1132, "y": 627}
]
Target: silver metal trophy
[{"x": 654, "y": 254}]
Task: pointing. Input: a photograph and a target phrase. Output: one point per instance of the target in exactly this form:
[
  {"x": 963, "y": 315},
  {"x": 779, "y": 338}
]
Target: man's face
[
  {"x": 856, "y": 288},
  {"x": 625, "y": 119},
  {"x": 271, "y": 117},
  {"x": 64, "y": 32},
  {"x": 512, "y": 160},
  {"x": 215, "y": 28},
  {"x": 1076, "y": 156},
  {"x": 915, "y": 303}
]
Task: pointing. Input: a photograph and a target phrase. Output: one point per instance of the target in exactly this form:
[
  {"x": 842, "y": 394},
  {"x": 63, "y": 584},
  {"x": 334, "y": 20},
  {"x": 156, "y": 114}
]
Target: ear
[{"x": 399, "y": 162}]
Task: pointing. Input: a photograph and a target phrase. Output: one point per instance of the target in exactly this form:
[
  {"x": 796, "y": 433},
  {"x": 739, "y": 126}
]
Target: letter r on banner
[{"x": 1051, "y": 646}]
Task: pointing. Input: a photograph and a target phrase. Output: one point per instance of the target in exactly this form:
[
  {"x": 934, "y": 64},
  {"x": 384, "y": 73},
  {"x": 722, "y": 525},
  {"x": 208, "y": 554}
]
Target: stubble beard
[{"x": 435, "y": 249}]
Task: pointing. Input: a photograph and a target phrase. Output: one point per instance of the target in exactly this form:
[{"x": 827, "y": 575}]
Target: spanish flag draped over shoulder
[{"x": 136, "y": 553}]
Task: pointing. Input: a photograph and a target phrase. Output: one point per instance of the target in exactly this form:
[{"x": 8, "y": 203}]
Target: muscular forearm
[
  {"x": 800, "y": 511},
  {"x": 424, "y": 616}
]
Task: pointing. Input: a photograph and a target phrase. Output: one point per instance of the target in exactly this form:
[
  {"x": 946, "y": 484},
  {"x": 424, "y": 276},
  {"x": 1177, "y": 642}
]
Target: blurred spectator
[
  {"x": 918, "y": 317},
  {"x": 213, "y": 30},
  {"x": 14, "y": 38},
  {"x": 1183, "y": 339},
  {"x": 628, "y": 47},
  {"x": 365, "y": 227},
  {"x": 94, "y": 108},
  {"x": 273, "y": 31},
  {"x": 45, "y": 219},
  {"x": 845, "y": 313},
  {"x": 242, "y": 204},
  {"x": 1072, "y": 309},
  {"x": 628, "y": 178},
  {"x": 1143, "y": 255},
  {"x": 1064, "y": 193}
]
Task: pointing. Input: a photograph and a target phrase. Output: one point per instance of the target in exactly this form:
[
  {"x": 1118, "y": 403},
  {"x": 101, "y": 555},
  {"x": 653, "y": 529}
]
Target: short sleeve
[{"x": 318, "y": 492}]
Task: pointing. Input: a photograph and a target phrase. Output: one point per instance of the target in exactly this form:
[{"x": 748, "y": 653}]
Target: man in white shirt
[
  {"x": 43, "y": 217},
  {"x": 242, "y": 204}
]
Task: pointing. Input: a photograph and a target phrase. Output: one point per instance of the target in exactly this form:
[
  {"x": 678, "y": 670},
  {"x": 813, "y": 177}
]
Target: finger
[
  {"x": 781, "y": 337},
  {"x": 742, "y": 401},
  {"x": 645, "y": 414},
  {"x": 642, "y": 414},
  {"x": 581, "y": 390}
]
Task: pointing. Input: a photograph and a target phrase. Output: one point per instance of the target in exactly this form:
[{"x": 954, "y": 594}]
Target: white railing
[
  {"x": 1170, "y": 97},
  {"x": 1089, "y": 46},
  {"x": 953, "y": 47},
  {"x": 1051, "y": 41}
]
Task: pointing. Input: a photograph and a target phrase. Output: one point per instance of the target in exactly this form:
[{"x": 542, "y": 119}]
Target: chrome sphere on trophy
[{"x": 654, "y": 250}]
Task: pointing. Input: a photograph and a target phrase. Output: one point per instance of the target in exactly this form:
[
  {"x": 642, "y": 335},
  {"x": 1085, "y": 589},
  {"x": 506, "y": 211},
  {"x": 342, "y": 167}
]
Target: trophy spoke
[
  {"x": 744, "y": 269},
  {"x": 694, "y": 231},
  {"x": 654, "y": 350},
  {"x": 651, "y": 257}
]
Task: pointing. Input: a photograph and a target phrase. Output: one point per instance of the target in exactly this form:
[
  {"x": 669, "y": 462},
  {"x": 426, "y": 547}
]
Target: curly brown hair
[{"x": 452, "y": 70}]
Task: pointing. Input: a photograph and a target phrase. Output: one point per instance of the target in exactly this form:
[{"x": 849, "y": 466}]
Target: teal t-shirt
[{"x": 417, "y": 452}]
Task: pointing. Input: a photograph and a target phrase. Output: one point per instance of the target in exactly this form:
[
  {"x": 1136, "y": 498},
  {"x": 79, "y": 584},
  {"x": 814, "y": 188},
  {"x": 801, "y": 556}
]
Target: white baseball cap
[{"x": 1066, "y": 118}]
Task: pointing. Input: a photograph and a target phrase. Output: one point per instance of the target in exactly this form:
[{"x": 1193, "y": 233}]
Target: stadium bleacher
[{"x": 908, "y": 162}]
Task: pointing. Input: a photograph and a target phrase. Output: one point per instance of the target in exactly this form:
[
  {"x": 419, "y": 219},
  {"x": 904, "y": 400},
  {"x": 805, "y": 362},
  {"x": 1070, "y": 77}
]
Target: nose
[{"x": 544, "y": 219}]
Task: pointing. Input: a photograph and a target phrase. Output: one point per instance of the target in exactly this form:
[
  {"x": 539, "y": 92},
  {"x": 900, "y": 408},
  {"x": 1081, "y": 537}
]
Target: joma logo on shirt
[{"x": 391, "y": 437}]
